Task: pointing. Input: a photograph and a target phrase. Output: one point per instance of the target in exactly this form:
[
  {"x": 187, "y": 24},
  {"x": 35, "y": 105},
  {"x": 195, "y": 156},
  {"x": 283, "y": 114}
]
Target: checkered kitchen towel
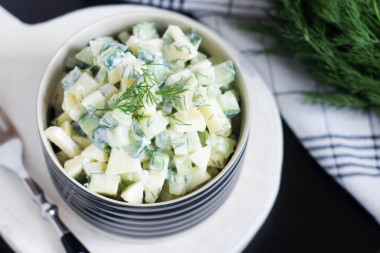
[{"x": 345, "y": 143}]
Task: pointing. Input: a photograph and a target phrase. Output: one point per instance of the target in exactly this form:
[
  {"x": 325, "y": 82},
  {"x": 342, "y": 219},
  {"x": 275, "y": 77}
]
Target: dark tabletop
[{"x": 312, "y": 213}]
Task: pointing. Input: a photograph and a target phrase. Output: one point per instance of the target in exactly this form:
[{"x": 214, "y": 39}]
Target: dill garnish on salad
[{"x": 146, "y": 118}]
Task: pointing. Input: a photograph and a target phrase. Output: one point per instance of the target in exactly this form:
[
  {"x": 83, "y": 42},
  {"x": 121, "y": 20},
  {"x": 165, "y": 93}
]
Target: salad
[{"x": 146, "y": 118}]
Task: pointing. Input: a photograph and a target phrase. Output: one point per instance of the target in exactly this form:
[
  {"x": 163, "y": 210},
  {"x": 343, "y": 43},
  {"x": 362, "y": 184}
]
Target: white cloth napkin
[{"x": 345, "y": 143}]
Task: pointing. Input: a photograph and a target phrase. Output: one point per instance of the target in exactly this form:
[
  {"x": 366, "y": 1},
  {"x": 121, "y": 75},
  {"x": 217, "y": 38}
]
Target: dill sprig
[
  {"x": 140, "y": 93},
  {"x": 172, "y": 91},
  {"x": 338, "y": 42}
]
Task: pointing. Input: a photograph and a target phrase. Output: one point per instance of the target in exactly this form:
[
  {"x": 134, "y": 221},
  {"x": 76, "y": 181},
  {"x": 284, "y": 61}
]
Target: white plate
[{"x": 27, "y": 49}]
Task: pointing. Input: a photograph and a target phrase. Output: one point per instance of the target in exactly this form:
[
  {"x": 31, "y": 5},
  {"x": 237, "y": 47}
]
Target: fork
[{"x": 11, "y": 157}]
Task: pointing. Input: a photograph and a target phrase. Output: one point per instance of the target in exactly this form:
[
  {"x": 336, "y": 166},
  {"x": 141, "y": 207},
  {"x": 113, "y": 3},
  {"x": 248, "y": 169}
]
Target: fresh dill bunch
[{"x": 337, "y": 41}]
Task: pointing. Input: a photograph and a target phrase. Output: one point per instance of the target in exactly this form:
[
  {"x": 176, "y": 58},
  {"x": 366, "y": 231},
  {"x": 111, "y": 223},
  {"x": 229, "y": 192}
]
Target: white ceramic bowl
[{"x": 145, "y": 220}]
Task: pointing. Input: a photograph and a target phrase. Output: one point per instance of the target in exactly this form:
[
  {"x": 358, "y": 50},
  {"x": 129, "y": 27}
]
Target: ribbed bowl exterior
[{"x": 144, "y": 222}]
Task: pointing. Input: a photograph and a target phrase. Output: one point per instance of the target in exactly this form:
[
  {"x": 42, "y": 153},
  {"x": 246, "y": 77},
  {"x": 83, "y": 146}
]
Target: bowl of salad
[{"x": 144, "y": 119}]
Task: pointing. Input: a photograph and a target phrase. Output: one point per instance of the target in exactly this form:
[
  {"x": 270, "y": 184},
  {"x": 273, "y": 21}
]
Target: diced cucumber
[
  {"x": 96, "y": 45},
  {"x": 160, "y": 69},
  {"x": 74, "y": 166},
  {"x": 82, "y": 141},
  {"x": 154, "y": 124},
  {"x": 194, "y": 38},
  {"x": 154, "y": 184},
  {"x": 77, "y": 128},
  {"x": 71, "y": 106},
  {"x": 111, "y": 58},
  {"x": 122, "y": 118},
  {"x": 115, "y": 45},
  {"x": 105, "y": 184},
  {"x": 145, "y": 31},
  {"x": 108, "y": 121},
  {"x": 183, "y": 165},
  {"x": 159, "y": 161},
  {"x": 229, "y": 104},
  {"x": 63, "y": 141},
  {"x": 224, "y": 73},
  {"x": 128, "y": 178},
  {"x": 185, "y": 143},
  {"x": 193, "y": 142},
  {"x": 177, "y": 46},
  {"x": 85, "y": 58},
  {"x": 139, "y": 142},
  {"x": 197, "y": 177},
  {"x": 216, "y": 120},
  {"x": 235, "y": 92},
  {"x": 213, "y": 91},
  {"x": 217, "y": 160},
  {"x": 123, "y": 36},
  {"x": 94, "y": 168},
  {"x": 205, "y": 76},
  {"x": 204, "y": 64},
  {"x": 179, "y": 143},
  {"x": 193, "y": 121},
  {"x": 121, "y": 162},
  {"x": 162, "y": 140},
  {"x": 184, "y": 100},
  {"x": 95, "y": 153},
  {"x": 118, "y": 136},
  {"x": 220, "y": 145},
  {"x": 94, "y": 100},
  {"x": 134, "y": 193},
  {"x": 199, "y": 57},
  {"x": 114, "y": 75},
  {"x": 177, "y": 185},
  {"x": 201, "y": 156},
  {"x": 88, "y": 123},
  {"x": 108, "y": 90},
  {"x": 71, "y": 78},
  {"x": 102, "y": 76},
  {"x": 133, "y": 43},
  {"x": 83, "y": 86},
  {"x": 150, "y": 49},
  {"x": 167, "y": 107},
  {"x": 221, "y": 149},
  {"x": 227, "y": 132},
  {"x": 100, "y": 139}
]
